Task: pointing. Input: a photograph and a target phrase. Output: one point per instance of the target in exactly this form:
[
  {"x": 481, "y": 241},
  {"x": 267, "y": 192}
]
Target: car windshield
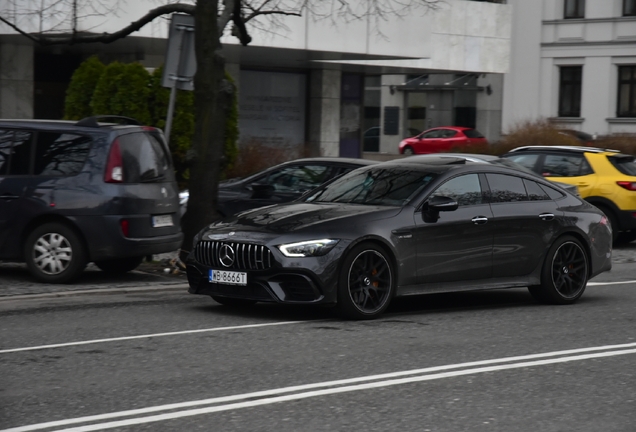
[{"x": 392, "y": 186}]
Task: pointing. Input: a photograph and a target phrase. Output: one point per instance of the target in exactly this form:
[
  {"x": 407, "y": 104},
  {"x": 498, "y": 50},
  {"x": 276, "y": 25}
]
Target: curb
[{"x": 98, "y": 291}]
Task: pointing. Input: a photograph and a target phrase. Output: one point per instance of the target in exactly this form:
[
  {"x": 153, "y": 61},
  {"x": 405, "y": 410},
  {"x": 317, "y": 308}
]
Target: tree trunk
[{"x": 212, "y": 101}]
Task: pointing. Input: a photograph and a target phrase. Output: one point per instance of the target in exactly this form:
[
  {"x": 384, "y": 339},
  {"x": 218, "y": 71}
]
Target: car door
[
  {"x": 15, "y": 165},
  {"x": 525, "y": 223},
  {"x": 572, "y": 169},
  {"x": 428, "y": 142},
  {"x": 449, "y": 139},
  {"x": 285, "y": 184},
  {"x": 458, "y": 246}
]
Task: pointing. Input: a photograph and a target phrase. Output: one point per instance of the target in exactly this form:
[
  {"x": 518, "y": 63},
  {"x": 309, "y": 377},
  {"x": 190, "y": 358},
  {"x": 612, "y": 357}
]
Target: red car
[{"x": 441, "y": 139}]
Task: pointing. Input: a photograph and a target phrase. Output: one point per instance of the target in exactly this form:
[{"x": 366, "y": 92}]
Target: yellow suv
[{"x": 605, "y": 178}]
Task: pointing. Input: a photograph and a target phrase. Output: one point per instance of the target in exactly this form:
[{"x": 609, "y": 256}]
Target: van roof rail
[{"x": 94, "y": 120}]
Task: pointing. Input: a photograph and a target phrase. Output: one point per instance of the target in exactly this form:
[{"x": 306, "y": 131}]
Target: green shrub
[{"x": 81, "y": 88}]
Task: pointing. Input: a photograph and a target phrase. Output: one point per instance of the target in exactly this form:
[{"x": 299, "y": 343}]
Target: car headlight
[{"x": 308, "y": 248}]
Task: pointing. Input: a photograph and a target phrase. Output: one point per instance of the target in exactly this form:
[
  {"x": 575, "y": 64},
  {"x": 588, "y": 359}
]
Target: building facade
[
  {"x": 341, "y": 87},
  {"x": 574, "y": 63}
]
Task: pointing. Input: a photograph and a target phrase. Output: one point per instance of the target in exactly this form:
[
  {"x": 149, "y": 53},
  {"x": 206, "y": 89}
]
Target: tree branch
[{"x": 105, "y": 37}]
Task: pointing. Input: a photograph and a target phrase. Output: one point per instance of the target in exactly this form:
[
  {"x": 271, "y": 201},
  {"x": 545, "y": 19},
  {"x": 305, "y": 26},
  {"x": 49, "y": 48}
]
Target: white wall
[{"x": 542, "y": 41}]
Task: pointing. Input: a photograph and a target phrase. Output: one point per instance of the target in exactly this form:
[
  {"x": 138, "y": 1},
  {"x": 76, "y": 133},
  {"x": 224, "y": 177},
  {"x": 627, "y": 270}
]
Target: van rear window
[{"x": 144, "y": 159}]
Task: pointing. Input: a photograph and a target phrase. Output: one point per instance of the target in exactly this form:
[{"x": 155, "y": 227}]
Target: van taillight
[
  {"x": 114, "y": 168},
  {"x": 124, "y": 227}
]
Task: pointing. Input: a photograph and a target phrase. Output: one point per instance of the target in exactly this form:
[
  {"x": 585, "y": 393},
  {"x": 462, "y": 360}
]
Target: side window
[
  {"x": 60, "y": 154},
  {"x": 465, "y": 189},
  {"x": 144, "y": 158},
  {"x": 298, "y": 178},
  {"x": 448, "y": 133},
  {"x": 527, "y": 160},
  {"x": 6, "y": 141},
  {"x": 15, "y": 152},
  {"x": 535, "y": 193},
  {"x": 506, "y": 188},
  {"x": 431, "y": 134},
  {"x": 552, "y": 193},
  {"x": 565, "y": 166}
]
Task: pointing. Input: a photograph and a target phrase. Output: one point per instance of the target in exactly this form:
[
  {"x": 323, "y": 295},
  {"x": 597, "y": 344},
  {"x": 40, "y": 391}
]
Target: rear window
[
  {"x": 624, "y": 163},
  {"x": 473, "y": 133},
  {"x": 144, "y": 159}
]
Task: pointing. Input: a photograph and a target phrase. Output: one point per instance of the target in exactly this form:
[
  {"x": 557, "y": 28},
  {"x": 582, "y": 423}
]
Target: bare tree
[{"x": 212, "y": 92}]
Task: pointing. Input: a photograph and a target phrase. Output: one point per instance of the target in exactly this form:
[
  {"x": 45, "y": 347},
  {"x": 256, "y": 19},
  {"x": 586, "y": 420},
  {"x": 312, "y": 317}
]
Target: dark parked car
[
  {"x": 405, "y": 227},
  {"x": 441, "y": 139},
  {"x": 76, "y": 192},
  {"x": 279, "y": 184}
]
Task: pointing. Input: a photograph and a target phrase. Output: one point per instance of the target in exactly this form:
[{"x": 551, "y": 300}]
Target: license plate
[
  {"x": 162, "y": 221},
  {"x": 227, "y": 277}
]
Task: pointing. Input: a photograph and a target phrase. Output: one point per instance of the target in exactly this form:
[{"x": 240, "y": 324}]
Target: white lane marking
[
  {"x": 610, "y": 283},
  {"x": 96, "y": 341},
  {"x": 273, "y": 392},
  {"x": 154, "y": 335}
]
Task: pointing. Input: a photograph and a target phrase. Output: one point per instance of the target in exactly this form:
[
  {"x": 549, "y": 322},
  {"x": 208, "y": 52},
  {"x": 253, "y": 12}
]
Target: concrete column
[
  {"x": 16, "y": 81},
  {"x": 489, "y": 106},
  {"x": 324, "y": 112}
]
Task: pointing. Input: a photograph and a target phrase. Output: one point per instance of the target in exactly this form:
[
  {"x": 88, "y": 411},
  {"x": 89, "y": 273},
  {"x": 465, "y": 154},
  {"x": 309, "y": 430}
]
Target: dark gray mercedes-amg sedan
[{"x": 402, "y": 228}]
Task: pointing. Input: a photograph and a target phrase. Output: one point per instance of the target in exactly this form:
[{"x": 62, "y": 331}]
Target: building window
[
  {"x": 626, "y": 91},
  {"x": 574, "y": 9},
  {"x": 629, "y": 7},
  {"x": 570, "y": 91}
]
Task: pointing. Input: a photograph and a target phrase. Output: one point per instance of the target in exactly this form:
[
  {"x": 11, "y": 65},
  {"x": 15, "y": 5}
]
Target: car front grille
[{"x": 231, "y": 255}]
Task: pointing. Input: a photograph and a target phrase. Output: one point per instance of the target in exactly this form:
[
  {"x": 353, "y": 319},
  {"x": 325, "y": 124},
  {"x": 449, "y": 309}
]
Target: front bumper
[{"x": 308, "y": 280}]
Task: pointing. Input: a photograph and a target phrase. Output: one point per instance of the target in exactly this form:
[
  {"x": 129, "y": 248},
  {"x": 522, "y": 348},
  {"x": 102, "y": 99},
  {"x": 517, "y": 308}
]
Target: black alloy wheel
[
  {"x": 366, "y": 282},
  {"x": 233, "y": 302},
  {"x": 565, "y": 273},
  {"x": 119, "y": 265},
  {"x": 54, "y": 253}
]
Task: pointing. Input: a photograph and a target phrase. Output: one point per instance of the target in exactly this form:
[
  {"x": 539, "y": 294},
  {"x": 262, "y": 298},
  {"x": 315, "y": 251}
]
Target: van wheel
[
  {"x": 120, "y": 265},
  {"x": 55, "y": 253}
]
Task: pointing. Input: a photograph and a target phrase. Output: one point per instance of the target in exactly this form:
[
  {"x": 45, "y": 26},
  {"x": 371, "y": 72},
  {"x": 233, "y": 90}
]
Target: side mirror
[
  {"x": 261, "y": 191},
  {"x": 436, "y": 204}
]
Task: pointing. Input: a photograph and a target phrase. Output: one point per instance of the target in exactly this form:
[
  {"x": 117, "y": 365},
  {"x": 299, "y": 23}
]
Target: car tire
[
  {"x": 564, "y": 274},
  {"x": 366, "y": 282},
  {"x": 408, "y": 151},
  {"x": 55, "y": 253},
  {"x": 626, "y": 237},
  {"x": 120, "y": 265},
  {"x": 233, "y": 302}
]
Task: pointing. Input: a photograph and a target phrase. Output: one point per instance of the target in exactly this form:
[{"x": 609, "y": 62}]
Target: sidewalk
[{"x": 159, "y": 275}]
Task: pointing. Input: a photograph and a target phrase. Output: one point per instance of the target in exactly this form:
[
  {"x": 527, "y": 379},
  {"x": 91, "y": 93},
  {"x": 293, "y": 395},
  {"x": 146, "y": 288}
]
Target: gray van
[{"x": 88, "y": 191}]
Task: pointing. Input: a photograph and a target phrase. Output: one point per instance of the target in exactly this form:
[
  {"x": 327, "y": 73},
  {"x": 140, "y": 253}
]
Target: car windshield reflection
[{"x": 393, "y": 186}]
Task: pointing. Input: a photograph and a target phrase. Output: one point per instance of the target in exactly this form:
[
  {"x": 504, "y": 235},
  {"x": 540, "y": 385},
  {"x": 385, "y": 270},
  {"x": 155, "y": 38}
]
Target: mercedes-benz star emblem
[{"x": 226, "y": 255}]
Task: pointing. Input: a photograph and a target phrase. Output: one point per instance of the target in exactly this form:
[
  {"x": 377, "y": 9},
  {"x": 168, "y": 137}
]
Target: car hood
[{"x": 295, "y": 217}]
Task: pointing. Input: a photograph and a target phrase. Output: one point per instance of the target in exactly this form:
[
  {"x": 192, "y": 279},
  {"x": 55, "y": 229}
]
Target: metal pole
[{"x": 173, "y": 97}]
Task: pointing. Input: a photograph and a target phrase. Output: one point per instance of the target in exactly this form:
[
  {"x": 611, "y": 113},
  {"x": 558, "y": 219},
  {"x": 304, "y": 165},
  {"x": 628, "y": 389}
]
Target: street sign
[{"x": 180, "y": 65}]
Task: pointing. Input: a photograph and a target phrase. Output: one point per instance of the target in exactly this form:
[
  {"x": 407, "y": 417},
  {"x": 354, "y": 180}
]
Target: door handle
[
  {"x": 479, "y": 220},
  {"x": 402, "y": 234},
  {"x": 546, "y": 216}
]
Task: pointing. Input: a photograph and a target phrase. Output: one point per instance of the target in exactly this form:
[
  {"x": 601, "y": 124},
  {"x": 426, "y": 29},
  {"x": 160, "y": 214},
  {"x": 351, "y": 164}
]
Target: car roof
[
  {"x": 574, "y": 149},
  {"x": 353, "y": 161},
  {"x": 94, "y": 122},
  {"x": 468, "y": 156}
]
